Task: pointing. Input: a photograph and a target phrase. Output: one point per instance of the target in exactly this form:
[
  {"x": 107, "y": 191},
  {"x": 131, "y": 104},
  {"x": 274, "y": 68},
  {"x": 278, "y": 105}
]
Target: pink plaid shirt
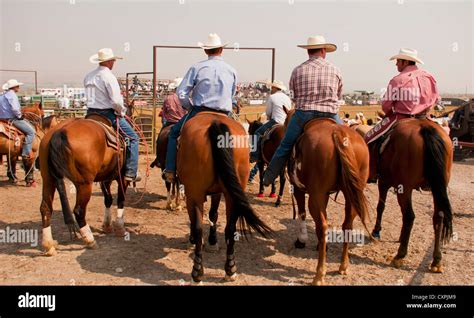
[
  {"x": 411, "y": 92},
  {"x": 172, "y": 110},
  {"x": 316, "y": 85}
]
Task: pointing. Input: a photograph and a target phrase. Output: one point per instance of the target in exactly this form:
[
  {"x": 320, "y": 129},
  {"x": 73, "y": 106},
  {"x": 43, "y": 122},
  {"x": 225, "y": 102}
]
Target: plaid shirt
[{"x": 316, "y": 85}]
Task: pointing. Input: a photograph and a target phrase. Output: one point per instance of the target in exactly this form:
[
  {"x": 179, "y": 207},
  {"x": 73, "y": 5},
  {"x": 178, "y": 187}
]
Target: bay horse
[
  {"x": 267, "y": 151},
  {"x": 172, "y": 189},
  {"x": 419, "y": 154},
  {"x": 207, "y": 165},
  {"x": 12, "y": 148},
  {"x": 77, "y": 149},
  {"x": 328, "y": 158}
]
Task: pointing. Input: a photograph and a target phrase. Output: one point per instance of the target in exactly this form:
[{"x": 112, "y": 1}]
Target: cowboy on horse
[
  {"x": 213, "y": 85},
  {"x": 10, "y": 110},
  {"x": 410, "y": 94},
  {"x": 104, "y": 97},
  {"x": 316, "y": 87},
  {"x": 172, "y": 111},
  {"x": 275, "y": 112}
]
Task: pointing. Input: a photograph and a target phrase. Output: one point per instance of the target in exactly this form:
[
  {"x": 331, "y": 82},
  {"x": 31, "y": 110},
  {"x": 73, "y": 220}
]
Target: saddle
[
  {"x": 10, "y": 131},
  {"x": 268, "y": 134},
  {"x": 385, "y": 136},
  {"x": 110, "y": 133}
]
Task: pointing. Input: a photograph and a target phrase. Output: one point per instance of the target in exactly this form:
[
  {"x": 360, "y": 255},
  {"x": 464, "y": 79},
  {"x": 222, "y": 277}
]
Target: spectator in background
[{"x": 172, "y": 111}]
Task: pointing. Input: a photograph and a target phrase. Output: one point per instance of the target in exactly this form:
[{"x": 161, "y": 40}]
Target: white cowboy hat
[
  {"x": 11, "y": 83},
  {"x": 175, "y": 83},
  {"x": 407, "y": 54},
  {"x": 213, "y": 42},
  {"x": 278, "y": 84},
  {"x": 318, "y": 42},
  {"x": 104, "y": 55}
]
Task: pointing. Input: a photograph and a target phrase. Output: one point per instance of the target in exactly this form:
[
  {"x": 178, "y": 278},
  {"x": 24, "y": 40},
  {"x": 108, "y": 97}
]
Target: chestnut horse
[
  {"x": 12, "y": 148},
  {"x": 207, "y": 165},
  {"x": 419, "y": 154},
  {"x": 172, "y": 189},
  {"x": 328, "y": 158},
  {"x": 77, "y": 149},
  {"x": 267, "y": 151}
]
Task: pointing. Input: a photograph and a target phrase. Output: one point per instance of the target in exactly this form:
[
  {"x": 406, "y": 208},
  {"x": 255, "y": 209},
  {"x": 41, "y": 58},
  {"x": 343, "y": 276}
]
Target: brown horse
[
  {"x": 172, "y": 189},
  {"x": 77, "y": 149},
  {"x": 419, "y": 154},
  {"x": 266, "y": 153},
  {"x": 12, "y": 148},
  {"x": 208, "y": 165},
  {"x": 328, "y": 158}
]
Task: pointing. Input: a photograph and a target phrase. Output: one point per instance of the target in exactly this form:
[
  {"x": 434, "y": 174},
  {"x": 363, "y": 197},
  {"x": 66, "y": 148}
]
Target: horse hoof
[
  {"x": 197, "y": 275},
  {"x": 260, "y": 195},
  {"x": 230, "y": 278},
  {"x": 14, "y": 181},
  {"x": 92, "y": 245},
  {"x": 343, "y": 271},
  {"x": 272, "y": 195},
  {"x": 211, "y": 248},
  {"x": 31, "y": 184},
  {"x": 318, "y": 282},
  {"x": 299, "y": 244},
  {"x": 107, "y": 228},
  {"x": 51, "y": 252},
  {"x": 397, "y": 262},
  {"x": 179, "y": 208},
  {"x": 437, "y": 269},
  {"x": 376, "y": 234}
]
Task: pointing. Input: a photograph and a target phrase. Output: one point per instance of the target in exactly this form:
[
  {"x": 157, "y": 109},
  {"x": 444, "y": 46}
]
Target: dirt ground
[{"x": 158, "y": 253}]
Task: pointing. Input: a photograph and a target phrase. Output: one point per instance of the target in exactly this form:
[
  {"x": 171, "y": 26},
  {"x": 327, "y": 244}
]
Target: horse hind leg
[
  {"x": 212, "y": 245},
  {"x": 108, "y": 200},
  {"x": 346, "y": 227},
  {"x": 404, "y": 200},
  {"x": 302, "y": 237},
  {"x": 195, "y": 211},
  {"x": 49, "y": 245},
  {"x": 383, "y": 190},
  {"x": 11, "y": 169},
  {"x": 168, "y": 196},
  {"x": 282, "y": 188},
  {"x": 119, "y": 225},
  {"x": 83, "y": 196},
  {"x": 317, "y": 208}
]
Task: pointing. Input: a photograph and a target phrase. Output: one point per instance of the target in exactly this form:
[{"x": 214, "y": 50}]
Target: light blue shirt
[
  {"x": 212, "y": 83},
  {"x": 9, "y": 105}
]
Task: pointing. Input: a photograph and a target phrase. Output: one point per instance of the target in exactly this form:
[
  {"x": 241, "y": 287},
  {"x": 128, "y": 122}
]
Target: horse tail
[
  {"x": 58, "y": 156},
  {"x": 435, "y": 155},
  {"x": 352, "y": 182},
  {"x": 224, "y": 167}
]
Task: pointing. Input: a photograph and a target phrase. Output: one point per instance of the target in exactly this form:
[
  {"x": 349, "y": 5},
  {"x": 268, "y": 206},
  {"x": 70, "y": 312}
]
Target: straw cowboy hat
[
  {"x": 11, "y": 83},
  {"x": 278, "y": 84},
  {"x": 318, "y": 42},
  {"x": 213, "y": 42},
  {"x": 407, "y": 54},
  {"x": 175, "y": 83},
  {"x": 104, "y": 55}
]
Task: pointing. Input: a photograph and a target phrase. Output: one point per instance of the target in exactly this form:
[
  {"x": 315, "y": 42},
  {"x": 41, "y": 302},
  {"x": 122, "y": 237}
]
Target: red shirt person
[{"x": 172, "y": 111}]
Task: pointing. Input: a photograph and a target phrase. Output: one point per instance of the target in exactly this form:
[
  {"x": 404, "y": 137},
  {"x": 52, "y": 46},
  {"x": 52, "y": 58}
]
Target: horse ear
[
  {"x": 40, "y": 105},
  {"x": 259, "y": 118}
]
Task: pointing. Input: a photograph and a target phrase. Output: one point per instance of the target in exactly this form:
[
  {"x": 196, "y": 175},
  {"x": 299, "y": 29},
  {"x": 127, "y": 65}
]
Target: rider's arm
[
  {"x": 113, "y": 89},
  {"x": 185, "y": 88},
  {"x": 234, "y": 90},
  {"x": 15, "y": 104}
]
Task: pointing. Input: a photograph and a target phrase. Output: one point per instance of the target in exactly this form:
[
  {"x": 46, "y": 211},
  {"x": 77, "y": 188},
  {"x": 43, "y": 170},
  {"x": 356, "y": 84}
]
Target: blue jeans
[
  {"x": 175, "y": 131},
  {"x": 26, "y": 128},
  {"x": 259, "y": 133},
  {"x": 293, "y": 131},
  {"x": 253, "y": 172},
  {"x": 130, "y": 136}
]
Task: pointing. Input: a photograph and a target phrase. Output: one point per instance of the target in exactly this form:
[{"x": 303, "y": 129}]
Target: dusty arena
[{"x": 157, "y": 251}]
